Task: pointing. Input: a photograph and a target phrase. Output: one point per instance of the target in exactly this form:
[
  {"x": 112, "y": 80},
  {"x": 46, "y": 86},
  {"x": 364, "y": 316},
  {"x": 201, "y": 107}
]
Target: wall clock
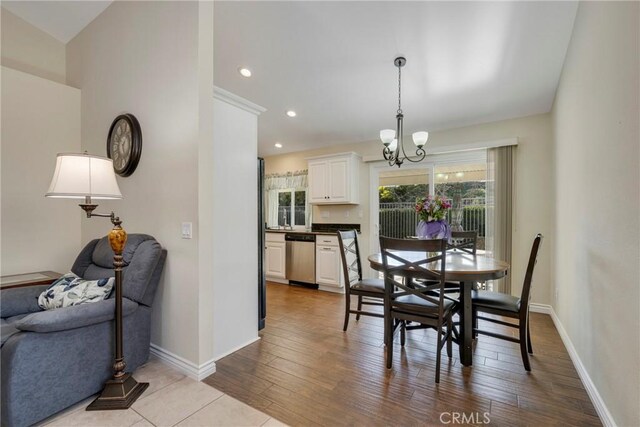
[{"x": 124, "y": 144}]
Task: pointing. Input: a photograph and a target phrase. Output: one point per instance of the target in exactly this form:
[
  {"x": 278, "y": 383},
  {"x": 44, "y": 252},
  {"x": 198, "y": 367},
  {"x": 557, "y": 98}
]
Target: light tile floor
[{"x": 172, "y": 399}]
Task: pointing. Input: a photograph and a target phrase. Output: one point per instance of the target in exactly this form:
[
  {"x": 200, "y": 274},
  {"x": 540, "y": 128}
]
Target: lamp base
[{"x": 118, "y": 394}]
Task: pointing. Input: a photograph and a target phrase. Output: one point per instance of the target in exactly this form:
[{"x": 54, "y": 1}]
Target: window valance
[{"x": 295, "y": 180}]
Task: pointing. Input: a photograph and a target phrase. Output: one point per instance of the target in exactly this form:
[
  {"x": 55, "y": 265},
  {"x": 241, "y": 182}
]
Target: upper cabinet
[{"x": 334, "y": 179}]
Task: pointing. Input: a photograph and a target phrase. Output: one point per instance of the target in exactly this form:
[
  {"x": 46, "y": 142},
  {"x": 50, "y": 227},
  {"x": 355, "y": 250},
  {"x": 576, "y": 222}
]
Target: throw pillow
[{"x": 72, "y": 290}]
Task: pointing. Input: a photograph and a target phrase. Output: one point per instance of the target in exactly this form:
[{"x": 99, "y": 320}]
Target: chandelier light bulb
[
  {"x": 394, "y": 145},
  {"x": 387, "y": 136},
  {"x": 420, "y": 138}
]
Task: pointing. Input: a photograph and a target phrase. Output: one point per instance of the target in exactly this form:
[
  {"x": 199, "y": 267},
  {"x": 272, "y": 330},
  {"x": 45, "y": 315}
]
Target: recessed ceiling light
[
  {"x": 245, "y": 72},
  {"x": 278, "y": 145},
  {"x": 291, "y": 113}
]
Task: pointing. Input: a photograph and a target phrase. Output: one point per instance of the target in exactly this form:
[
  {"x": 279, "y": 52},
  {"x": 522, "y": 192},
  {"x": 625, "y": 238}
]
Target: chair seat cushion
[
  {"x": 415, "y": 304},
  {"x": 369, "y": 285},
  {"x": 495, "y": 300}
]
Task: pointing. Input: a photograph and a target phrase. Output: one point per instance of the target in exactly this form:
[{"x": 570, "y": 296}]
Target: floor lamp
[{"x": 81, "y": 176}]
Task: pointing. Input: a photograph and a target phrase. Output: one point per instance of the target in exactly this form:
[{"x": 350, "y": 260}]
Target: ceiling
[
  {"x": 61, "y": 19},
  {"x": 332, "y": 62}
]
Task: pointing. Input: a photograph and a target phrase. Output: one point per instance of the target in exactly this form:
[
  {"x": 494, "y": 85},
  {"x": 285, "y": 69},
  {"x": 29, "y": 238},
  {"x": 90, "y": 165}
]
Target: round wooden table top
[{"x": 461, "y": 266}]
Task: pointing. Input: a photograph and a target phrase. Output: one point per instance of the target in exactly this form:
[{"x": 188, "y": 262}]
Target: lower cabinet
[
  {"x": 328, "y": 264},
  {"x": 275, "y": 257}
]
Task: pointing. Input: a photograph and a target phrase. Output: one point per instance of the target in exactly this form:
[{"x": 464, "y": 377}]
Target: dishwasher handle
[{"x": 288, "y": 260}]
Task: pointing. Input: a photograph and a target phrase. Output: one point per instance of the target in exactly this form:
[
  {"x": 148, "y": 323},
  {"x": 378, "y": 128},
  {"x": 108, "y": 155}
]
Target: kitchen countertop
[{"x": 325, "y": 233}]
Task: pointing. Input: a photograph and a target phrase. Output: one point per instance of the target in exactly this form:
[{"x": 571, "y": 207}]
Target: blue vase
[{"x": 433, "y": 230}]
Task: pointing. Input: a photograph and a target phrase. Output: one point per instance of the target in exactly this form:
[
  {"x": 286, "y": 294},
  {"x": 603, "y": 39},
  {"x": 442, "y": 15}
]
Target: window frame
[{"x": 292, "y": 192}]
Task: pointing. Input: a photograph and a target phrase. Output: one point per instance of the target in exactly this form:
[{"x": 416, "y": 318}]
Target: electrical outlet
[
  {"x": 187, "y": 230},
  {"x": 325, "y": 214},
  {"x": 346, "y": 214}
]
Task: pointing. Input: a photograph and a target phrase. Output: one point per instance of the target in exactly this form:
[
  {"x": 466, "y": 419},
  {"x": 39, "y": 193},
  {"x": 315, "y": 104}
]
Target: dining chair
[
  {"x": 425, "y": 305},
  {"x": 464, "y": 241},
  {"x": 372, "y": 289},
  {"x": 509, "y": 306}
]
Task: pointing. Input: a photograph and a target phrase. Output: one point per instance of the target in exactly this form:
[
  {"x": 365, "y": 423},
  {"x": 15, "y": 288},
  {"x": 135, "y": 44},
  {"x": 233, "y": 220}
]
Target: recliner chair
[{"x": 55, "y": 358}]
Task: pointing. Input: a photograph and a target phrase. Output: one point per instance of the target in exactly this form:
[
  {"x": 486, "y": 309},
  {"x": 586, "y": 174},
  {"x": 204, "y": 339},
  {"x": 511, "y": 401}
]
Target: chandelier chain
[{"x": 399, "y": 90}]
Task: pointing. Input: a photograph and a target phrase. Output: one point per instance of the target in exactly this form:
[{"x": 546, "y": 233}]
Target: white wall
[
  {"x": 29, "y": 49},
  {"x": 533, "y": 210},
  {"x": 597, "y": 204},
  {"x": 235, "y": 259},
  {"x": 40, "y": 119},
  {"x": 145, "y": 58}
]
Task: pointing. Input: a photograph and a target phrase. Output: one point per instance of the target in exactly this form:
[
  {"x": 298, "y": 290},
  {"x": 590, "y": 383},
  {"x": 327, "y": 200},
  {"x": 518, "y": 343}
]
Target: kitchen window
[
  {"x": 292, "y": 208},
  {"x": 286, "y": 200}
]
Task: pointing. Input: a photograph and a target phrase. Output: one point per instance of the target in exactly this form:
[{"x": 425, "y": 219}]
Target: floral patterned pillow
[{"x": 73, "y": 290}]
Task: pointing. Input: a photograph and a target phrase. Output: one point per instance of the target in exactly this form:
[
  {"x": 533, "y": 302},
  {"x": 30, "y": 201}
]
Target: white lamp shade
[
  {"x": 387, "y": 135},
  {"x": 393, "y": 145},
  {"x": 420, "y": 138},
  {"x": 80, "y": 175}
]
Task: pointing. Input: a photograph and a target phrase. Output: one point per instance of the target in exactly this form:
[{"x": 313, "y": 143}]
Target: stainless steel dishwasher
[{"x": 301, "y": 257}]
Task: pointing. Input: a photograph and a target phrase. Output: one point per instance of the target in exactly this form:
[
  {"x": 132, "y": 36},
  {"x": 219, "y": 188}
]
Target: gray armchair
[{"x": 53, "y": 359}]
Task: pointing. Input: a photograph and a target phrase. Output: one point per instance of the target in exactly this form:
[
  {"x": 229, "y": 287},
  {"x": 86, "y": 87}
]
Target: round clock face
[{"x": 124, "y": 144}]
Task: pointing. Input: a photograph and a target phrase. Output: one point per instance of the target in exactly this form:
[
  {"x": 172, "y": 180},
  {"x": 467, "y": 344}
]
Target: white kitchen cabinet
[
  {"x": 328, "y": 264},
  {"x": 275, "y": 257},
  {"x": 334, "y": 179}
]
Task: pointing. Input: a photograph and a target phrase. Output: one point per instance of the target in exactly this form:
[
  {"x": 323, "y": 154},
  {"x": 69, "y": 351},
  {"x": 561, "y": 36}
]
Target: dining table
[{"x": 462, "y": 267}]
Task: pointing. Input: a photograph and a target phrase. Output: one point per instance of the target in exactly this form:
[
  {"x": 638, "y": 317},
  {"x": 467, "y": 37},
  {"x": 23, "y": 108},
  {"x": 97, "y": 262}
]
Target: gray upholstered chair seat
[
  {"x": 414, "y": 304},
  {"x": 496, "y": 300},
  {"x": 369, "y": 285},
  {"x": 53, "y": 359}
]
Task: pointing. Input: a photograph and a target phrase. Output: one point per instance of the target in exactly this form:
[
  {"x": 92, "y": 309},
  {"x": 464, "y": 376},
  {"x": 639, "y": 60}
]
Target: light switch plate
[
  {"x": 325, "y": 214},
  {"x": 187, "y": 230}
]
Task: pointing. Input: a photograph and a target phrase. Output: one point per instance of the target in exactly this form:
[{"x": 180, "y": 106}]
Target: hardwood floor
[{"x": 306, "y": 371}]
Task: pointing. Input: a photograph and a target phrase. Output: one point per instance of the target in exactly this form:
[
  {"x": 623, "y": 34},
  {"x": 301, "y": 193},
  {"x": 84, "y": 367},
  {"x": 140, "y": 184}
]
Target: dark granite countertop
[{"x": 326, "y": 233}]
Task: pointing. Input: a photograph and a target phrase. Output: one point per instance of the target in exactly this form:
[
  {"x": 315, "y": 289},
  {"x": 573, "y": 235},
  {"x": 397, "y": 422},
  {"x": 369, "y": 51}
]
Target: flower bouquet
[{"x": 432, "y": 212}]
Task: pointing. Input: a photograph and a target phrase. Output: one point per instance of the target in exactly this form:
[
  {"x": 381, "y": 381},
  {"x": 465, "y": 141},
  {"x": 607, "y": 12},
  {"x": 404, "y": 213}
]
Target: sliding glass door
[
  {"x": 459, "y": 177},
  {"x": 465, "y": 186}
]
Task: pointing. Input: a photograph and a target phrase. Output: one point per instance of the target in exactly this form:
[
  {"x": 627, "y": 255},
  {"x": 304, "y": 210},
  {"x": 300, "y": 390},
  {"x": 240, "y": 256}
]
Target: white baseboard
[
  {"x": 190, "y": 369},
  {"x": 601, "y": 408},
  {"x": 233, "y": 350},
  {"x": 540, "y": 308}
]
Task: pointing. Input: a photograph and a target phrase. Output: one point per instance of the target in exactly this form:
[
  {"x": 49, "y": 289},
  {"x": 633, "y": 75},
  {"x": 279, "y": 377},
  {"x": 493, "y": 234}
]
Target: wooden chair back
[
  {"x": 350, "y": 256},
  {"x": 396, "y": 264},
  {"x": 528, "y": 277},
  {"x": 464, "y": 241}
]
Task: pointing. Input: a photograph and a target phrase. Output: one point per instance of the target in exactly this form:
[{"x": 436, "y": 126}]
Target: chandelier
[{"x": 393, "y": 139}]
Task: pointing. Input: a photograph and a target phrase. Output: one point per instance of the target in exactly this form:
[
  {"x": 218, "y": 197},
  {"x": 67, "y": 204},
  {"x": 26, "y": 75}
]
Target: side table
[{"x": 28, "y": 279}]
